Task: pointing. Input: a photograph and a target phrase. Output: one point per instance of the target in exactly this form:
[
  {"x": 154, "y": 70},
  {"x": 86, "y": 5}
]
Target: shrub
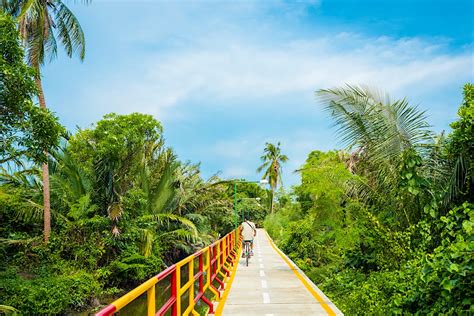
[
  {"x": 444, "y": 283},
  {"x": 48, "y": 295}
]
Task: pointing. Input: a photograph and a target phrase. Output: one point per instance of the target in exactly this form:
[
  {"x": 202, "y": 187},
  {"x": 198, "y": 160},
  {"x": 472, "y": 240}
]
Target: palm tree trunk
[
  {"x": 45, "y": 171},
  {"x": 271, "y": 201}
]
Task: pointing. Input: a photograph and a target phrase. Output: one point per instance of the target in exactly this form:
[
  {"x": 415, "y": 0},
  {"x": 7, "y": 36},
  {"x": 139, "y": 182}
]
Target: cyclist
[{"x": 248, "y": 230}]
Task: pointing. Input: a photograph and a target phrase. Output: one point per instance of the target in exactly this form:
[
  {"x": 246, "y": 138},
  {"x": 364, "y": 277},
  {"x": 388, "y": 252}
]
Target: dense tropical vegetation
[
  {"x": 40, "y": 25},
  {"x": 386, "y": 227},
  {"x": 123, "y": 206},
  {"x": 26, "y": 129},
  {"x": 383, "y": 227}
]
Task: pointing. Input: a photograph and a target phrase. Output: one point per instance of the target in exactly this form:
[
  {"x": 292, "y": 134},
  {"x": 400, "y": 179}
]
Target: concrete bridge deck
[{"x": 272, "y": 285}]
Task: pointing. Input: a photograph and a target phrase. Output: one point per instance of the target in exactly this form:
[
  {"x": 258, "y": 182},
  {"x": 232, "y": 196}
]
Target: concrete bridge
[
  {"x": 272, "y": 285},
  {"x": 216, "y": 281}
]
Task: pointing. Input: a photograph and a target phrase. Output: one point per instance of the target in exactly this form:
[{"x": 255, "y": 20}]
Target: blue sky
[{"x": 224, "y": 77}]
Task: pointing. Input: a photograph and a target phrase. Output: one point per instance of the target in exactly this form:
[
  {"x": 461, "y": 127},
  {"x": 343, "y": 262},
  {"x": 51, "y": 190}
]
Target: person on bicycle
[{"x": 248, "y": 230}]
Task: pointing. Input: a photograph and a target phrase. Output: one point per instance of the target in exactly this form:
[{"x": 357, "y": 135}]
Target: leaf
[
  {"x": 448, "y": 284},
  {"x": 453, "y": 267}
]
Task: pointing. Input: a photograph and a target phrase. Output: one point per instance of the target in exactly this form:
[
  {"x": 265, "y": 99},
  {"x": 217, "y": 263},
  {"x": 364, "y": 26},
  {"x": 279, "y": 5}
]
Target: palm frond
[
  {"x": 271, "y": 164},
  {"x": 161, "y": 194},
  {"x": 6, "y": 241},
  {"x": 69, "y": 31},
  {"x": 147, "y": 237},
  {"x": 8, "y": 310},
  {"x": 196, "y": 218},
  {"x": 40, "y": 22},
  {"x": 167, "y": 220},
  {"x": 367, "y": 120},
  {"x": 180, "y": 235}
]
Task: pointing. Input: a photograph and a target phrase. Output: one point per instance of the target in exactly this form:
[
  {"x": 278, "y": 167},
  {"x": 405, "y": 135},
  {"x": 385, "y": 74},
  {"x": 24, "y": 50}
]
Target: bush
[
  {"x": 437, "y": 283},
  {"x": 133, "y": 269},
  {"x": 48, "y": 295},
  {"x": 358, "y": 294},
  {"x": 444, "y": 283}
]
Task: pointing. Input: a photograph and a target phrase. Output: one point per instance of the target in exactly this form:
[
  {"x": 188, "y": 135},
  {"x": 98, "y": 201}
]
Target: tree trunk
[
  {"x": 45, "y": 171},
  {"x": 46, "y": 201},
  {"x": 271, "y": 202}
]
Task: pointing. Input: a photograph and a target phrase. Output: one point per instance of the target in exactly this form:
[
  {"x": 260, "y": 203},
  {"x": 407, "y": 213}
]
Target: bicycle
[{"x": 247, "y": 250}]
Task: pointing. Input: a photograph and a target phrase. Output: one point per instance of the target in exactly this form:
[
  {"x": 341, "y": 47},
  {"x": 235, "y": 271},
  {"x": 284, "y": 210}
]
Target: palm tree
[
  {"x": 25, "y": 186},
  {"x": 380, "y": 133},
  {"x": 371, "y": 124},
  {"x": 41, "y": 23},
  {"x": 272, "y": 160}
]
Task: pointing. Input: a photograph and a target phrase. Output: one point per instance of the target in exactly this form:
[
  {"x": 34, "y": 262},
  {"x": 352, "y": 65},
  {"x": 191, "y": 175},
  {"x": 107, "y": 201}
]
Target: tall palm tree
[
  {"x": 272, "y": 160},
  {"x": 41, "y": 23}
]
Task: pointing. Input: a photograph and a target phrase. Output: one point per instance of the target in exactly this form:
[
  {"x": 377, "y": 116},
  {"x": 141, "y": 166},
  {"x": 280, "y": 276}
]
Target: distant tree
[
  {"x": 40, "y": 23},
  {"x": 26, "y": 130},
  {"x": 272, "y": 159},
  {"x": 324, "y": 180}
]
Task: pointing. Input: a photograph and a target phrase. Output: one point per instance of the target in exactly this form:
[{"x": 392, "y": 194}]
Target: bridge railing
[{"x": 189, "y": 279}]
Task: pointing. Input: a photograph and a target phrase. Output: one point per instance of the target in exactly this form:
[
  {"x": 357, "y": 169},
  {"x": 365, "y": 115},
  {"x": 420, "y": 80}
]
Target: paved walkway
[{"x": 272, "y": 285}]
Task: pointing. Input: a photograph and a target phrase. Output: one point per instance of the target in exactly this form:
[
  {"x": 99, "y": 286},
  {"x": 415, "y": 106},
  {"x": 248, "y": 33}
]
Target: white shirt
[{"x": 248, "y": 230}]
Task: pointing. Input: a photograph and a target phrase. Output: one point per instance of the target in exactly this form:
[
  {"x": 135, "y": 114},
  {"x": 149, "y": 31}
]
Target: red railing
[{"x": 213, "y": 265}]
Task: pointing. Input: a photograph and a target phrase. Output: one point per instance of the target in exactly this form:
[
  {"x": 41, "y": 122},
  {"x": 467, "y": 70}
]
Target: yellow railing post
[
  {"x": 219, "y": 256},
  {"x": 191, "y": 288},
  {"x": 150, "y": 301},
  {"x": 208, "y": 267},
  {"x": 178, "y": 290}
]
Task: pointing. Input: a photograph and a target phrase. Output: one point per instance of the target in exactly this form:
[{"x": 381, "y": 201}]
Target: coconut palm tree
[
  {"x": 272, "y": 159},
  {"x": 371, "y": 124},
  {"x": 381, "y": 135},
  {"x": 41, "y": 23}
]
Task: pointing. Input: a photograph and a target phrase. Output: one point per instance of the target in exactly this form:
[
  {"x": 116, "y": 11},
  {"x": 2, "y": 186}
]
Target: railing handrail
[{"x": 220, "y": 256}]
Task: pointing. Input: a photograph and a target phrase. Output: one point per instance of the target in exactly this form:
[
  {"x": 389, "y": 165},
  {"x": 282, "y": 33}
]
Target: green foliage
[
  {"x": 271, "y": 164},
  {"x": 385, "y": 137},
  {"x": 388, "y": 228},
  {"x": 8, "y": 310},
  {"x": 123, "y": 208},
  {"x": 48, "y": 294},
  {"x": 323, "y": 180},
  {"x": 461, "y": 148},
  {"x": 133, "y": 268},
  {"x": 433, "y": 283},
  {"x": 116, "y": 136},
  {"x": 444, "y": 282},
  {"x": 356, "y": 293},
  {"x": 42, "y": 25},
  {"x": 252, "y": 200},
  {"x": 272, "y": 160},
  {"x": 26, "y": 130}
]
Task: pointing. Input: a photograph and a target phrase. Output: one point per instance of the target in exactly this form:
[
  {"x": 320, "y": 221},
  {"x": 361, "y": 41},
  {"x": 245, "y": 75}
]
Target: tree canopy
[{"x": 26, "y": 130}]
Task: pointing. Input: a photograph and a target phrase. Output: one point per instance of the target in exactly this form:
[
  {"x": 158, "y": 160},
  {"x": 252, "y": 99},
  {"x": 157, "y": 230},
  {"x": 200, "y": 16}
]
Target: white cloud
[
  {"x": 213, "y": 72},
  {"x": 241, "y": 72},
  {"x": 247, "y": 70}
]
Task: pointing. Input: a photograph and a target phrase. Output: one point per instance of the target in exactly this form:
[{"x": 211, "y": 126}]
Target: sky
[{"x": 224, "y": 77}]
